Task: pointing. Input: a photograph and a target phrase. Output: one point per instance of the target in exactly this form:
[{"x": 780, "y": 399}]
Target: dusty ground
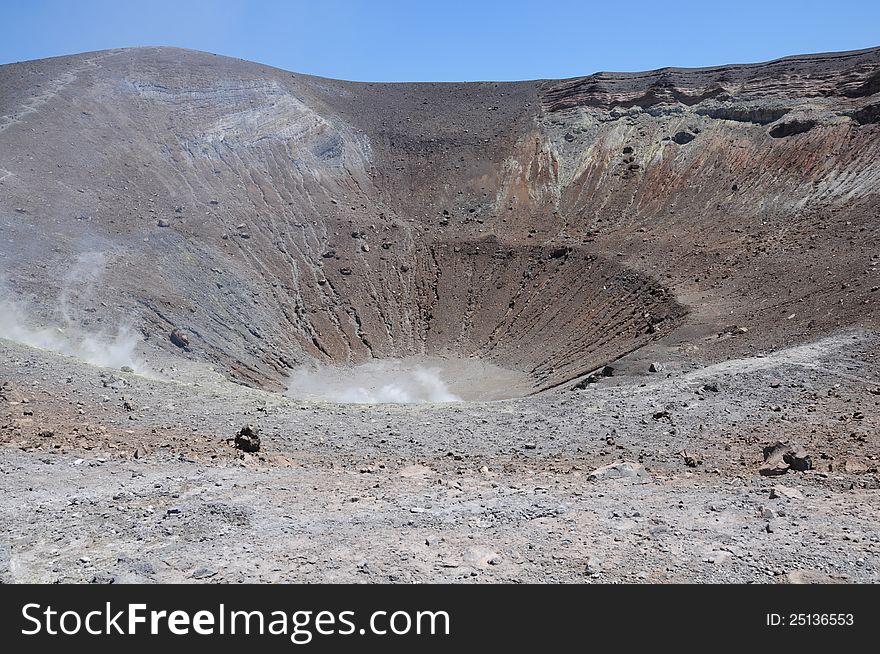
[{"x": 459, "y": 492}]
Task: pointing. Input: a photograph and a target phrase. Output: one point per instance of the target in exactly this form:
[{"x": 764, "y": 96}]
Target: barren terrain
[{"x": 652, "y": 297}]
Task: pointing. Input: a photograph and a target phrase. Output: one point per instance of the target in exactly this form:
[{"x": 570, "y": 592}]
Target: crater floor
[{"x": 137, "y": 481}]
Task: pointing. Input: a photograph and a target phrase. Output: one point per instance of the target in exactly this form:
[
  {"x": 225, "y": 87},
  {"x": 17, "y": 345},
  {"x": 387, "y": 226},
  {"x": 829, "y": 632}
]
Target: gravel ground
[{"x": 112, "y": 476}]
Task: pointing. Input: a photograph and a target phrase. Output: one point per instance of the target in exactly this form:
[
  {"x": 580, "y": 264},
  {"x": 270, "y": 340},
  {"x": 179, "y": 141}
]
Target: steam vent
[{"x": 266, "y": 222}]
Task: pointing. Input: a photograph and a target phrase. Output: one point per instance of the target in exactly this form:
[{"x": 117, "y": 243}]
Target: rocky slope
[{"x": 279, "y": 219}]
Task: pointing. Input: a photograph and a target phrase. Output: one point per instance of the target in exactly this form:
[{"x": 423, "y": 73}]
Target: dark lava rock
[
  {"x": 601, "y": 373},
  {"x": 248, "y": 439},
  {"x": 867, "y": 115},
  {"x": 683, "y": 137},
  {"x": 781, "y": 457},
  {"x": 179, "y": 338},
  {"x": 792, "y": 127},
  {"x": 798, "y": 459}
]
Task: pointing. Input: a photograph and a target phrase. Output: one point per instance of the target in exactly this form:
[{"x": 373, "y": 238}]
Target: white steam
[
  {"x": 376, "y": 382},
  {"x": 111, "y": 351},
  {"x": 71, "y": 336}
]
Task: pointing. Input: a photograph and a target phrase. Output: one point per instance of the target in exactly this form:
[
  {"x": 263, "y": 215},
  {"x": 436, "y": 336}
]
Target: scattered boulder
[
  {"x": 781, "y": 457},
  {"x": 712, "y": 387},
  {"x": 248, "y": 439},
  {"x": 799, "y": 460},
  {"x": 655, "y": 367},
  {"x": 619, "y": 470},
  {"x": 163, "y": 223},
  {"x": 733, "y": 330},
  {"x": 791, "y": 128},
  {"x": 179, "y": 338},
  {"x": 593, "y": 567},
  {"x": 780, "y": 491},
  {"x": 103, "y": 578},
  {"x": 683, "y": 137},
  {"x": 113, "y": 381},
  {"x": 592, "y": 378}
]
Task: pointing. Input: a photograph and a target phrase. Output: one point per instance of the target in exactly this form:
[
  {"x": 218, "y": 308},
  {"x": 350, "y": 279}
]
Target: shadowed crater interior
[{"x": 487, "y": 321}]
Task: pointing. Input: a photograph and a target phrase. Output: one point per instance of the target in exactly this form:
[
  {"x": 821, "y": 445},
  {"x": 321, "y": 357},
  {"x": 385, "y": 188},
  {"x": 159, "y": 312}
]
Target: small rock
[
  {"x": 779, "y": 457},
  {"x": 798, "y": 459},
  {"x": 766, "y": 513},
  {"x": 248, "y": 439},
  {"x": 103, "y": 578},
  {"x": 163, "y": 223},
  {"x": 619, "y": 470},
  {"x": 179, "y": 338},
  {"x": 203, "y": 573},
  {"x": 787, "y": 492},
  {"x": 655, "y": 367}
]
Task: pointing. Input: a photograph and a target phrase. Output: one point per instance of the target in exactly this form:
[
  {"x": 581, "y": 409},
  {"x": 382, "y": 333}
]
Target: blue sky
[{"x": 447, "y": 40}]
